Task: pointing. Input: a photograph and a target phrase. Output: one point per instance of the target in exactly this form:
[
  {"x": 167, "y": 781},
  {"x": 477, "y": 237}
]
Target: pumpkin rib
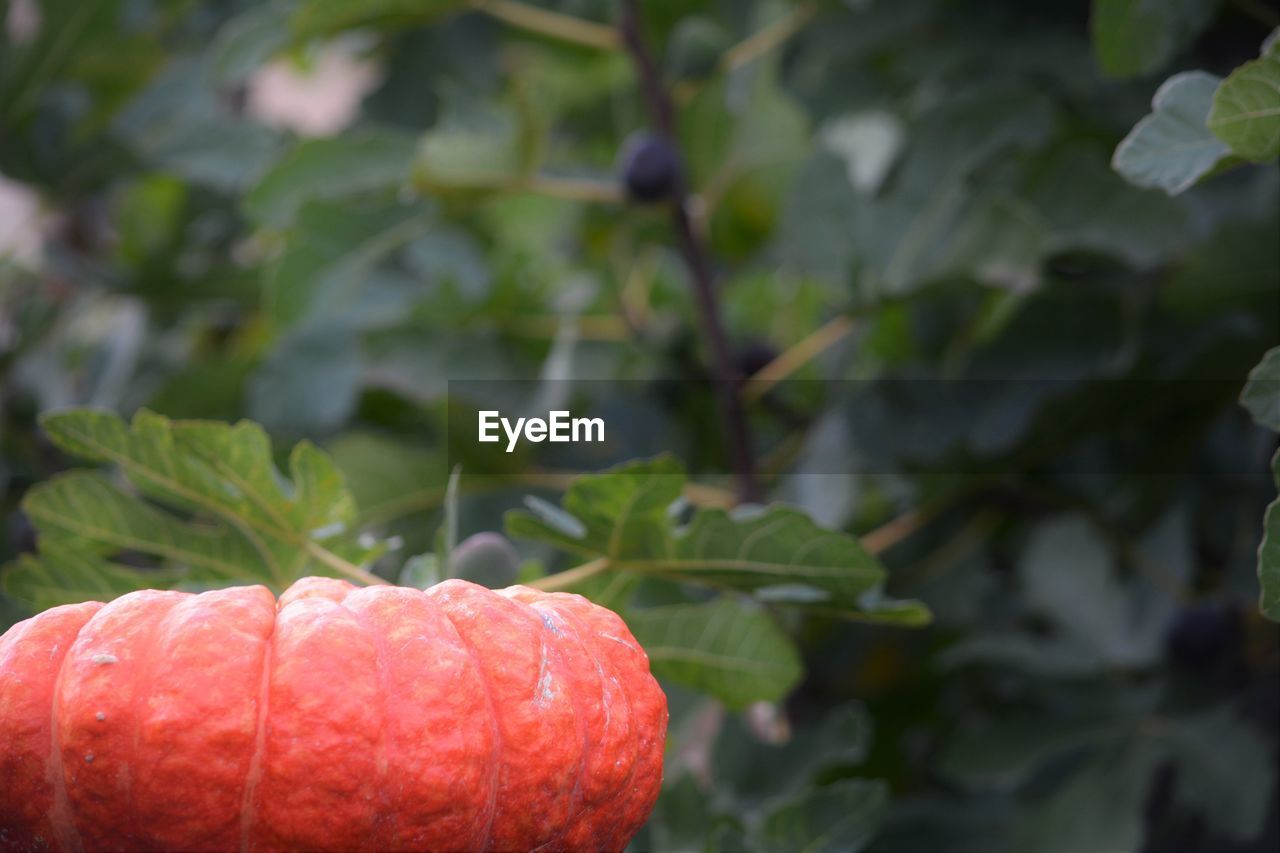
[
  {"x": 101, "y": 684},
  {"x": 381, "y": 760},
  {"x": 590, "y": 726},
  {"x": 48, "y": 777},
  {"x": 433, "y": 683},
  {"x": 495, "y": 775},
  {"x": 648, "y": 708},
  {"x": 141, "y": 690},
  {"x": 601, "y": 652},
  {"x": 537, "y": 761},
  {"x": 198, "y": 691},
  {"x": 579, "y": 719},
  {"x": 248, "y": 798},
  {"x": 575, "y": 624},
  {"x": 318, "y": 764}
]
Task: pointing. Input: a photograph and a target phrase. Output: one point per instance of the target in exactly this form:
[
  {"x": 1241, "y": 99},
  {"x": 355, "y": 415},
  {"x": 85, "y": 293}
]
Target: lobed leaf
[
  {"x": 1133, "y": 37},
  {"x": 210, "y": 507},
  {"x": 331, "y": 168},
  {"x": 1261, "y": 394},
  {"x": 842, "y": 816},
  {"x": 66, "y": 574},
  {"x": 728, "y": 649},
  {"x": 1172, "y": 147},
  {"x": 1269, "y": 554},
  {"x": 1246, "y": 109},
  {"x": 778, "y": 554},
  {"x": 323, "y": 17},
  {"x": 779, "y": 547}
]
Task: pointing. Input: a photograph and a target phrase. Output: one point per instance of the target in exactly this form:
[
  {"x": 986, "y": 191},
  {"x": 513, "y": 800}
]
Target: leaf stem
[
  {"x": 797, "y": 356},
  {"x": 725, "y": 375},
  {"x": 553, "y": 186},
  {"x": 333, "y": 561},
  {"x": 547, "y": 23},
  {"x": 572, "y": 189},
  {"x": 563, "y": 580},
  {"x": 767, "y": 38}
]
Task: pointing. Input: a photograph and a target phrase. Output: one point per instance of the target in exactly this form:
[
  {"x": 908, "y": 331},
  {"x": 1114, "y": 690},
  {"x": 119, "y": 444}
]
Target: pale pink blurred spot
[
  {"x": 22, "y": 23},
  {"x": 318, "y": 100},
  {"x": 22, "y": 224}
]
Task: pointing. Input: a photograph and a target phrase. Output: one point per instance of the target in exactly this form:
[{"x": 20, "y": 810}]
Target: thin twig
[
  {"x": 725, "y": 374},
  {"x": 895, "y": 530},
  {"x": 553, "y": 24},
  {"x": 796, "y": 356},
  {"x": 569, "y": 577},
  {"x": 572, "y": 189},
  {"x": 553, "y": 186},
  {"x": 767, "y": 38},
  {"x": 333, "y": 561},
  {"x": 892, "y": 532}
]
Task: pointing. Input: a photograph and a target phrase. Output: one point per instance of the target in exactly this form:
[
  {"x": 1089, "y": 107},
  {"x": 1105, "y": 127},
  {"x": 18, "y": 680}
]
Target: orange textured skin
[{"x": 337, "y": 718}]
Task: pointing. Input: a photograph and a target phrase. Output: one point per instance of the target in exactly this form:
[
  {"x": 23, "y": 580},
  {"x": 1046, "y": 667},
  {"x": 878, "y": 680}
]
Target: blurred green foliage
[{"x": 929, "y": 181}]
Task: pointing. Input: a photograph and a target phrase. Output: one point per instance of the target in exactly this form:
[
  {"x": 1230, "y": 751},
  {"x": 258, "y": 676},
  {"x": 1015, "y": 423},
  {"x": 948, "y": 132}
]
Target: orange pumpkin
[{"x": 336, "y": 718}]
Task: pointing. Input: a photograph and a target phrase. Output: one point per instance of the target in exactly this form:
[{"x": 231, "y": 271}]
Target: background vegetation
[{"x": 999, "y": 289}]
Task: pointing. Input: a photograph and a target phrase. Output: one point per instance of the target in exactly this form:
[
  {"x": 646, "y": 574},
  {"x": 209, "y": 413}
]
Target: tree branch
[
  {"x": 725, "y": 375},
  {"x": 547, "y": 23}
]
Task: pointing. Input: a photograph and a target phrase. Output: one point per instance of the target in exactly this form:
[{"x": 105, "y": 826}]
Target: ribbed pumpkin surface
[{"x": 336, "y": 718}]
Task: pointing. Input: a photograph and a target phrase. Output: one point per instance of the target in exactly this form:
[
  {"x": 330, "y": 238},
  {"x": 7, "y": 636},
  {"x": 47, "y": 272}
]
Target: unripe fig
[
  {"x": 487, "y": 559},
  {"x": 650, "y": 166}
]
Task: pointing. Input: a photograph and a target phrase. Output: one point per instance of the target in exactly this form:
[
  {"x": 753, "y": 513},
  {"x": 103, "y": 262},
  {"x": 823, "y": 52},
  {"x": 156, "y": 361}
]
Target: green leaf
[
  {"x": 321, "y": 17},
  {"x": 734, "y": 652},
  {"x": 1068, "y": 576},
  {"x": 477, "y": 148},
  {"x": 756, "y": 770},
  {"x": 328, "y": 270},
  {"x": 1172, "y": 148},
  {"x": 776, "y": 553},
  {"x": 1225, "y": 771},
  {"x": 86, "y": 510},
  {"x": 682, "y": 817},
  {"x": 1139, "y": 36},
  {"x": 179, "y": 125},
  {"x": 914, "y": 227},
  {"x": 1261, "y": 394},
  {"x": 1098, "y": 808},
  {"x": 309, "y": 383},
  {"x": 218, "y": 509},
  {"x": 68, "y": 573},
  {"x": 389, "y": 479},
  {"x": 779, "y": 547},
  {"x": 1004, "y": 753},
  {"x": 29, "y": 68},
  {"x": 617, "y": 513},
  {"x": 843, "y": 816},
  {"x": 248, "y": 40},
  {"x": 331, "y": 168},
  {"x": 1087, "y": 206},
  {"x": 1269, "y": 554},
  {"x": 1246, "y": 109}
]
